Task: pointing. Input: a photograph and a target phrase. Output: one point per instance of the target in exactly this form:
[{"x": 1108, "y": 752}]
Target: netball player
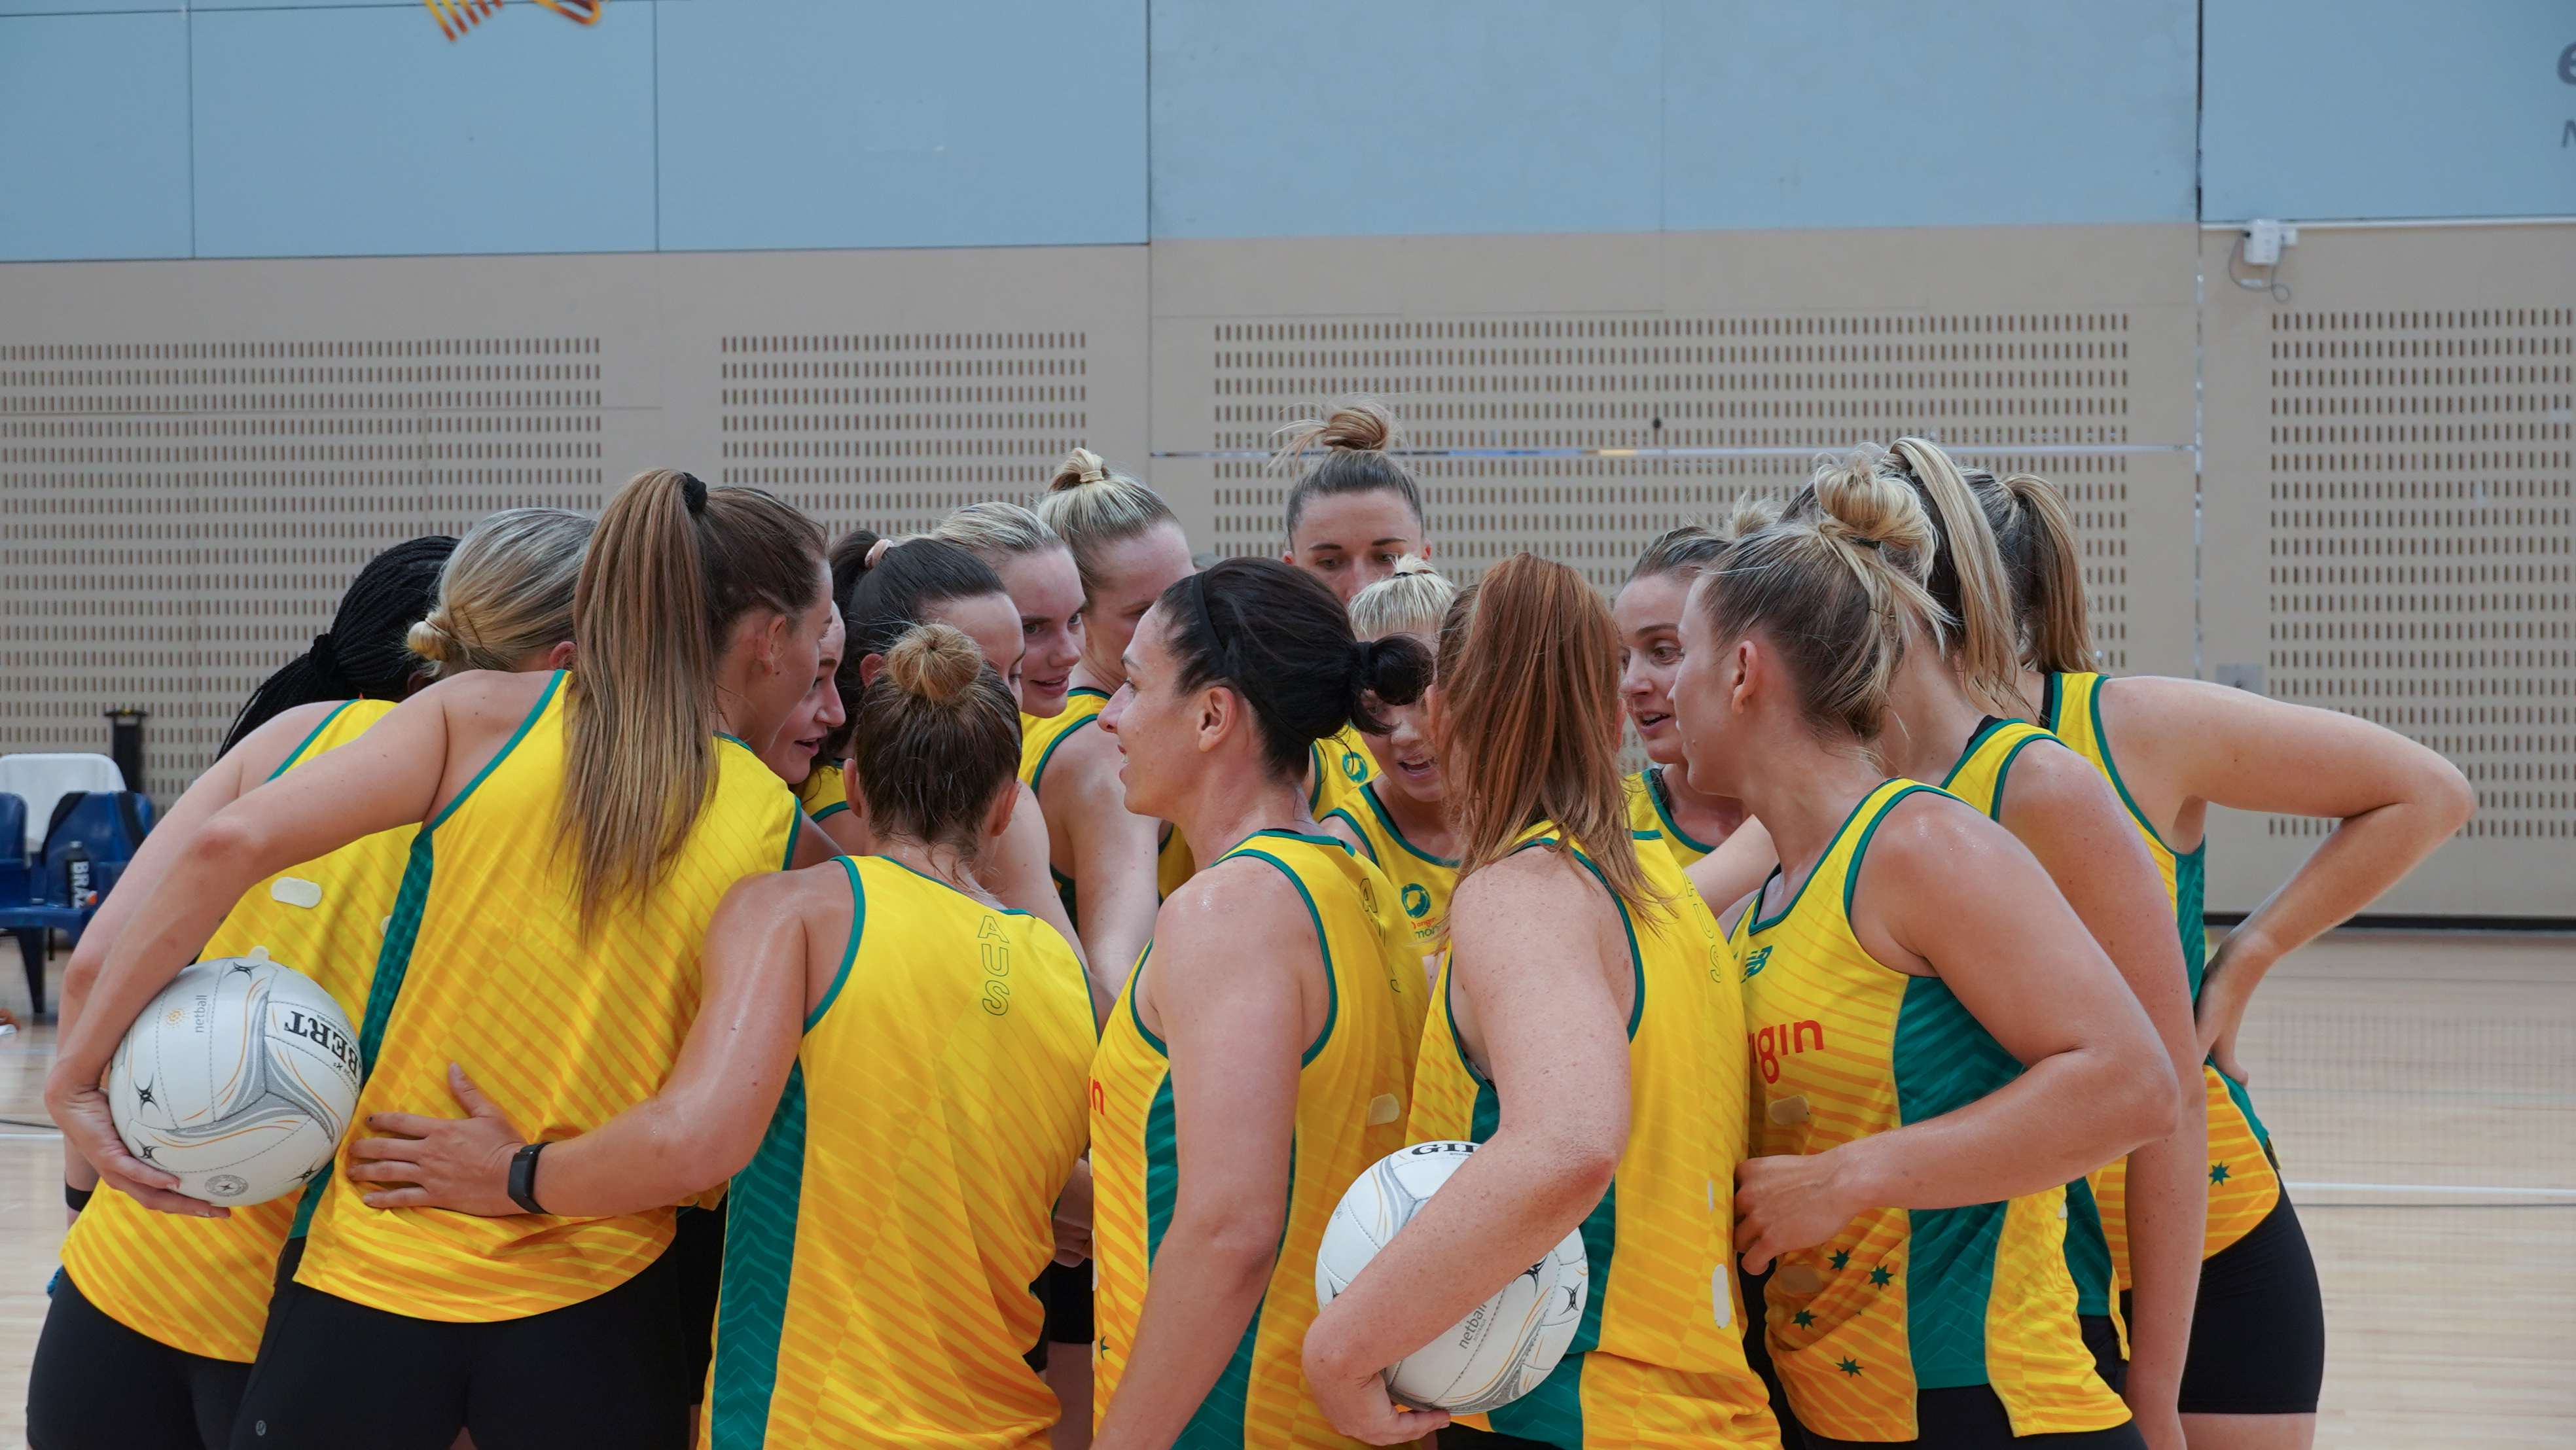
[
  {"x": 903, "y": 583},
  {"x": 1046, "y": 588},
  {"x": 1939, "y": 1046},
  {"x": 797, "y": 752},
  {"x": 1262, "y": 1054},
  {"x": 576, "y": 833},
  {"x": 156, "y": 1317},
  {"x": 1351, "y": 519},
  {"x": 1114, "y": 865},
  {"x": 1952, "y": 708},
  {"x": 1396, "y": 819},
  {"x": 2172, "y": 748},
  {"x": 862, "y": 1018},
  {"x": 1648, "y": 612},
  {"x": 895, "y": 586},
  {"x": 1586, "y": 1038}
]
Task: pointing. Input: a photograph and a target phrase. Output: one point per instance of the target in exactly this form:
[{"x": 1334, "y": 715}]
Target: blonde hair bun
[
  {"x": 934, "y": 662},
  {"x": 1361, "y": 425},
  {"x": 430, "y": 639},
  {"x": 1860, "y": 503},
  {"x": 1414, "y": 564},
  {"x": 1080, "y": 466}
]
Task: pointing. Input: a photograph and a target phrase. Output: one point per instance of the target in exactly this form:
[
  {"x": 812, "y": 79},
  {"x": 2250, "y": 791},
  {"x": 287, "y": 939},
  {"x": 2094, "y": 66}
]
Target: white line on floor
[{"x": 2427, "y": 1188}]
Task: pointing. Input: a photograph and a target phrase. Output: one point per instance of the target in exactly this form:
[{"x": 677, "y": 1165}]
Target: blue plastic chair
[{"x": 92, "y": 840}]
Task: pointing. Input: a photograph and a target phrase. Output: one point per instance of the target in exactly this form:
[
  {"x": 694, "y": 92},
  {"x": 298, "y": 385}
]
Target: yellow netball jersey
[
  {"x": 1040, "y": 735},
  {"x": 1978, "y": 778},
  {"x": 1351, "y": 1089},
  {"x": 880, "y": 1246},
  {"x": 1650, "y": 808},
  {"x": 1898, "y": 1301},
  {"x": 1422, "y": 881},
  {"x": 201, "y": 1285},
  {"x": 485, "y": 965},
  {"x": 1659, "y": 1357},
  {"x": 2243, "y": 1186},
  {"x": 823, "y": 793},
  {"x": 1341, "y": 764}
]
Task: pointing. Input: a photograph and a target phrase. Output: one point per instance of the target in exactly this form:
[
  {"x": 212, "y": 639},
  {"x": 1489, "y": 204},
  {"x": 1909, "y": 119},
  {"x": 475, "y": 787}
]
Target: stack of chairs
[{"x": 87, "y": 846}]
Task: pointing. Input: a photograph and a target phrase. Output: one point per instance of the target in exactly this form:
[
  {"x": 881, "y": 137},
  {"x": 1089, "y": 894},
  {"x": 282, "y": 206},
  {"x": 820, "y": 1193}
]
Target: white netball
[
  {"x": 1505, "y": 1346},
  {"x": 239, "y": 1079}
]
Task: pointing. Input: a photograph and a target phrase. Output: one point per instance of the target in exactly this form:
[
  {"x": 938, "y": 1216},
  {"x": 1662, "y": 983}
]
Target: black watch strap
[
  {"x": 77, "y": 1199},
  {"x": 523, "y": 1177}
]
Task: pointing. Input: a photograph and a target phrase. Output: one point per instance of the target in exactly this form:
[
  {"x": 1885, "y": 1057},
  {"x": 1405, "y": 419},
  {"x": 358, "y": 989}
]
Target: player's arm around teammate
[
  {"x": 846, "y": 1007},
  {"x": 396, "y": 775},
  {"x": 1261, "y": 1054},
  {"x": 1950, "y": 702}
]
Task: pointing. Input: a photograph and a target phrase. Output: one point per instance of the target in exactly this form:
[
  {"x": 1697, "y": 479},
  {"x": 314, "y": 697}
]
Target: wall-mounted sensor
[{"x": 2264, "y": 239}]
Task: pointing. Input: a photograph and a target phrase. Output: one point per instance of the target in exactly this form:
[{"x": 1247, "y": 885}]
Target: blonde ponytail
[
  {"x": 672, "y": 566},
  {"x": 1967, "y": 578},
  {"x": 2037, "y": 537}
]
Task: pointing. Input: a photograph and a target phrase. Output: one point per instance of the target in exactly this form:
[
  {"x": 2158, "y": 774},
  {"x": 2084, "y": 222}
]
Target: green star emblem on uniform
[
  {"x": 1849, "y": 1366},
  {"x": 2217, "y": 1173},
  {"x": 1880, "y": 1276},
  {"x": 1841, "y": 1259},
  {"x": 1803, "y": 1319}
]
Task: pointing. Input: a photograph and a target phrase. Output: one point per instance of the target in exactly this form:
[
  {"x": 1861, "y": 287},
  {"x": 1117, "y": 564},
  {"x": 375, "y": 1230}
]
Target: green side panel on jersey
[
  {"x": 759, "y": 1264},
  {"x": 1944, "y": 1059},
  {"x": 1552, "y": 1414},
  {"x": 2088, "y": 1253}
]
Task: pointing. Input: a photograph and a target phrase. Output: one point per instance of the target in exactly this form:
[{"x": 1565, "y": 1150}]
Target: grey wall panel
[{"x": 2392, "y": 454}]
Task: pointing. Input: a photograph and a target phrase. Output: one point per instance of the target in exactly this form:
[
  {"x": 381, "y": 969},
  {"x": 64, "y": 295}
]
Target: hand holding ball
[
  {"x": 1505, "y": 1346},
  {"x": 238, "y": 1079}
]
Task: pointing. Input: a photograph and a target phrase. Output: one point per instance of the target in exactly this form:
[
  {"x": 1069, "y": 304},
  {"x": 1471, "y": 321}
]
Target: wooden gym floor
[{"x": 2421, "y": 1089}]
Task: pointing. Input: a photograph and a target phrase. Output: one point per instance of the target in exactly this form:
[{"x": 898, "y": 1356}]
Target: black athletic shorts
[
  {"x": 2258, "y": 1330},
  {"x": 1066, "y": 1295},
  {"x": 697, "y": 1252},
  {"x": 97, "y": 1385},
  {"x": 1971, "y": 1417},
  {"x": 2103, "y": 1338},
  {"x": 1757, "y": 1353},
  {"x": 603, "y": 1373}
]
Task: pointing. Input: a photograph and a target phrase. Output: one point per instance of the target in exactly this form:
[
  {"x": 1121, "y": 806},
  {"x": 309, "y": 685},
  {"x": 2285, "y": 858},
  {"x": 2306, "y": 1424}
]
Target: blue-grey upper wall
[{"x": 239, "y": 128}]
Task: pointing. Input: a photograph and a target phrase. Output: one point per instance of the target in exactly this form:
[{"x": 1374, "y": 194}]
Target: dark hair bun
[{"x": 1396, "y": 669}]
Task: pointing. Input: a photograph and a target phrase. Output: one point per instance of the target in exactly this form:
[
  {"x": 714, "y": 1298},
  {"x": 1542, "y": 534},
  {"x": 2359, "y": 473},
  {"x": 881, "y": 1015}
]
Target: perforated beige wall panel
[
  {"x": 893, "y": 430},
  {"x": 181, "y": 516},
  {"x": 2395, "y": 534},
  {"x": 1777, "y": 345},
  {"x": 196, "y": 456}
]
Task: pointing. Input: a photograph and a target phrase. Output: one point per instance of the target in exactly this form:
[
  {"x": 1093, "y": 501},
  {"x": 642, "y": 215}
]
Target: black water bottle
[{"x": 76, "y": 873}]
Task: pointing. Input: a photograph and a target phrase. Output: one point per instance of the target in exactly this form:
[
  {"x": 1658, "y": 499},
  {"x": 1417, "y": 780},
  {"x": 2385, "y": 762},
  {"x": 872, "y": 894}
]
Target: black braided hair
[{"x": 364, "y": 653}]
